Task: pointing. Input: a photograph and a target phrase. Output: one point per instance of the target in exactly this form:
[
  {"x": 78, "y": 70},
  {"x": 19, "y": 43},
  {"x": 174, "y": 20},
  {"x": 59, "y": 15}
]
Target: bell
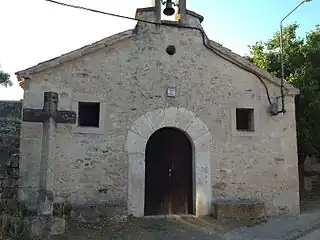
[{"x": 169, "y": 10}]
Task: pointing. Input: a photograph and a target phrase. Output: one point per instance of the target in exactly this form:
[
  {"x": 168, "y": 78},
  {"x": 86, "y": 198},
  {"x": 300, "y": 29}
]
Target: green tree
[
  {"x": 302, "y": 69},
  {"x": 5, "y": 79}
]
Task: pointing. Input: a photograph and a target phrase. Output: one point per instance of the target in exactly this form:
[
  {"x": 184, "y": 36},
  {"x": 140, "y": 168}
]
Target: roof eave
[
  {"x": 73, "y": 55},
  {"x": 291, "y": 90}
]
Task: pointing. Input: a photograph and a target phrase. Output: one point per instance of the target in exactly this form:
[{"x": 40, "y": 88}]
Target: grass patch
[{"x": 11, "y": 220}]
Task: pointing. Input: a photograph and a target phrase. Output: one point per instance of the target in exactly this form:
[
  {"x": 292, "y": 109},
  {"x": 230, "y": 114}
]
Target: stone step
[{"x": 243, "y": 211}]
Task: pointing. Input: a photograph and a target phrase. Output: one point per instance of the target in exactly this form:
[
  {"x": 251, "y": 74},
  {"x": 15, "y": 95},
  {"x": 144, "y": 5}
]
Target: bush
[{"x": 11, "y": 221}]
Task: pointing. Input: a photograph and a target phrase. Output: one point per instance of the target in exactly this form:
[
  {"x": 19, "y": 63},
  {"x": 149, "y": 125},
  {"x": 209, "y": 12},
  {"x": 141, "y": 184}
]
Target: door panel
[
  {"x": 180, "y": 163},
  {"x": 156, "y": 178},
  {"x": 168, "y": 188}
]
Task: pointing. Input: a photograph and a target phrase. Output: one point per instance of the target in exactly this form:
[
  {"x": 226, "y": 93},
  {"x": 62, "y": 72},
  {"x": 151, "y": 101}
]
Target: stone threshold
[
  {"x": 213, "y": 228},
  {"x": 170, "y": 216}
]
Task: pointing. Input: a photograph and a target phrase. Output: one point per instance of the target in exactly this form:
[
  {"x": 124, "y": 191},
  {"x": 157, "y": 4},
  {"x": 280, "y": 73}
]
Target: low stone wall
[
  {"x": 10, "y": 124},
  {"x": 10, "y": 210},
  {"x": 239, "y": 211},
  {"x": 96, "y": 213},
  {"x": 9, "y": 175}
]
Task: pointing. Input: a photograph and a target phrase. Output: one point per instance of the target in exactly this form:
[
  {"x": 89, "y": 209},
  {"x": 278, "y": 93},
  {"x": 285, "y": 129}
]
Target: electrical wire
[{"x": 172, "y": 25}]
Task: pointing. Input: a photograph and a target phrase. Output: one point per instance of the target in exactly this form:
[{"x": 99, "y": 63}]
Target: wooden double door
[{"x": 168, "y": 173}]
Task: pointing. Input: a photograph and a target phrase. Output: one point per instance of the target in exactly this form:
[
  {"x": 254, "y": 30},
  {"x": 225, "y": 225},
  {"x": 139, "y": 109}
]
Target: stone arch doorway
[
  {"x": 136, "y": 142},
  {"x": 168, "y": 173}
]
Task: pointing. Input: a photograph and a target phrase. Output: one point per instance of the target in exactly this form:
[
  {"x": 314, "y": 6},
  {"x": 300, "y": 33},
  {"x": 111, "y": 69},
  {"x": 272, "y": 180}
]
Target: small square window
[
  {"x": 245, "y": 119},
  {"x": 89, "y": 114}
]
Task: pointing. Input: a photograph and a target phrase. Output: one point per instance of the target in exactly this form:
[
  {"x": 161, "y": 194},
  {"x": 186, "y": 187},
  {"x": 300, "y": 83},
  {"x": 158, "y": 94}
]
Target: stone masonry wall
[
  {"x": 129, "y": 78},
  {"x": 10, "y": 122}
]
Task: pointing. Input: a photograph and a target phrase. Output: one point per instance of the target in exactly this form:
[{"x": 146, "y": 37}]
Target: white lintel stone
[
  {"x": 184, "y": 118},
  {"x": 203, "y": 201},
  {"x": 135, "y": 143},
  {"x": 203, "y": 183},
  {"x": 197, "y": 128},
  {"x": 142, "y": 126},
  {"x": 136, "y": 183},
  {"x": 203, "y": 159}
]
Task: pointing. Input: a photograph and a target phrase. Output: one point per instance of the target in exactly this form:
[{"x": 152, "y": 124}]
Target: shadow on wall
[{"x": 310, "y": 183}]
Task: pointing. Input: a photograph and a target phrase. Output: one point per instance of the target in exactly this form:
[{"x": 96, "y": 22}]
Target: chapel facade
[{"x": 157, "y": 120}]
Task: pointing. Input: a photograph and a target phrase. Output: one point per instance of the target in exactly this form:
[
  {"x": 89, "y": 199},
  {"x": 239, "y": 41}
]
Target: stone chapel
[{"x": 157, "y": 120}]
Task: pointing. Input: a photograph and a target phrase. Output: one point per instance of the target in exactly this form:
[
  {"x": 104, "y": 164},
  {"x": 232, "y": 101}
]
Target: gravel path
[{"x": 280, "y": 228}]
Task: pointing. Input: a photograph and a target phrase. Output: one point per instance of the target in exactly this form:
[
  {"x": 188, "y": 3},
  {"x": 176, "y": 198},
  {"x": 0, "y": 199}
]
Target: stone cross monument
[{"x": 49, "y": 116}]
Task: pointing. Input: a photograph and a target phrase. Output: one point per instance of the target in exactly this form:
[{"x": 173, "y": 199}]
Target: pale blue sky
[{"x": 35, "y": 30}]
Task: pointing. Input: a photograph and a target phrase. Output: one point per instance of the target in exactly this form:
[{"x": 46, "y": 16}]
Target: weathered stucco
[{"x": 130, "y": 77}]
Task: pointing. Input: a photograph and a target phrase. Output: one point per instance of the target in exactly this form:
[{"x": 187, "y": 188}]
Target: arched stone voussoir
[
  {"x": 203, "y": 143},
  {"x": 180, "y": 118},
  {"x": 196, "y": 129},
  {"x": 156, "y": 118},
  {"x": 170, "y": 117},
  {"x": 136, "y": 172},
  {"x": 135, "y": 143},
  {"x": 142, "y": 126},
  {"x": 184, "y": 119}
]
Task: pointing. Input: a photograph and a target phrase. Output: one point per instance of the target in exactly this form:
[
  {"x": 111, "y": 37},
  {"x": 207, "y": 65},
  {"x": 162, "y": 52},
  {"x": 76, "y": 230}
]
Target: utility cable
[{"x": 204, "y": 38}]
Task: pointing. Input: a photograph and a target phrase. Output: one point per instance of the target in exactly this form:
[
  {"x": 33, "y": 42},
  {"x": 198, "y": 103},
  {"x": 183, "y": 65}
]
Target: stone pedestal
[
  {"x": 239, "y": 211},
  {"x": 41, "y": 227},
  {"x": 58, "y": 226}
]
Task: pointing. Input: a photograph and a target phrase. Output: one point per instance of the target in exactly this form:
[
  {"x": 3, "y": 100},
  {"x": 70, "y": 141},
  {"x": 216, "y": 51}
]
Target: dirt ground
[{"x": 136, "y": 229}]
